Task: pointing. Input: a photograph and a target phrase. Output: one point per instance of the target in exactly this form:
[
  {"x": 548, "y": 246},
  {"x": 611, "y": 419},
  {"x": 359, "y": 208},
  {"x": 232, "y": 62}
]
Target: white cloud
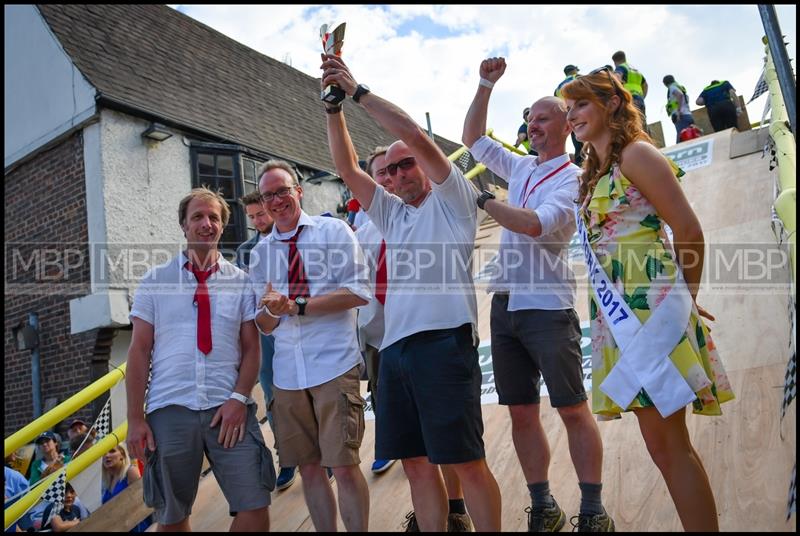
[{"x": 439, "y": 73}]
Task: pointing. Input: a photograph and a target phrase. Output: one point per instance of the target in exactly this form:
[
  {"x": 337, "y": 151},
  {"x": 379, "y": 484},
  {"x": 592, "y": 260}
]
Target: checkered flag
[
  {"x": 55, "y": 494},
  {"x": 103, "y": 422},
  {"x": 761, "y": 87},
  {"x": 790, "y": 385},
  {"x": 792, "y": 506}
]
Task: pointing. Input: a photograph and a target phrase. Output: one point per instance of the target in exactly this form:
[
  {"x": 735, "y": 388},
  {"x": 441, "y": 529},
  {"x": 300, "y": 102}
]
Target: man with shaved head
[
  {"x": 535, "y": 330},
  {"x": 429, "y": 377}
]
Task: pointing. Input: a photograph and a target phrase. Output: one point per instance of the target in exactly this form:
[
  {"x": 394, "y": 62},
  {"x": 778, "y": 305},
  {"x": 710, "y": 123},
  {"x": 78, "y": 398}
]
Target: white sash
[{"x": 644, "y": 348}]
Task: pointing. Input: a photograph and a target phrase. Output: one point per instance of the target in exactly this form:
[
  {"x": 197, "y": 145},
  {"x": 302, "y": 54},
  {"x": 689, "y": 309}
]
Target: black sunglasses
[
  {"x": 404, "y": 164},
  {"x": 610, "y": 73}
]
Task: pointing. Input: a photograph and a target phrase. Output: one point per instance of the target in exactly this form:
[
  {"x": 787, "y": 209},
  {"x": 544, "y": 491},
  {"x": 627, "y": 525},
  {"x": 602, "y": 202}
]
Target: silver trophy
[{"x": 332, "y": 45}]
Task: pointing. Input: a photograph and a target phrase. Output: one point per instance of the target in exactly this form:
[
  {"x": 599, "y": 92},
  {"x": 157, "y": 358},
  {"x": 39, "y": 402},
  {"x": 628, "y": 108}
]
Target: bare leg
[
  {"x": 671, "y": 449},
  {"x": 428, "y": 494},
  {"x": 353, "y": 498},
  {"x": 319, "y": 497},
  {"x": 585, "y": 444},
  {"x": 452, "y": 483},
  {"x": 251, "y": 521},
  {"x": 180, "y": 526},
  {"x": 530, "y": 442},
  {"x": 481, "y": 494}
]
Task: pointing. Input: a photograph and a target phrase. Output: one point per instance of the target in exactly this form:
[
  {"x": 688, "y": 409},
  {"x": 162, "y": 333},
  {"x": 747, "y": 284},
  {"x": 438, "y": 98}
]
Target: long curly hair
[{"x": 625, "y": 123}]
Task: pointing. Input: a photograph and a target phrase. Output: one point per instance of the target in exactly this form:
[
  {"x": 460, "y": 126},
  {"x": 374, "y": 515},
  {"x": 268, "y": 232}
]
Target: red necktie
[
  {"x": 380, "y": 278},
  {"x": 298, "y": 286},
  {"x": 203, "y": 307}
]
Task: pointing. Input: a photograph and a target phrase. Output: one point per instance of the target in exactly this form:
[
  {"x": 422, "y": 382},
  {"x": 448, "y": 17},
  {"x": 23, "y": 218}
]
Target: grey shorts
[
  {"x": 535, "y": 343},
  {"x": 245, "y": 472}
]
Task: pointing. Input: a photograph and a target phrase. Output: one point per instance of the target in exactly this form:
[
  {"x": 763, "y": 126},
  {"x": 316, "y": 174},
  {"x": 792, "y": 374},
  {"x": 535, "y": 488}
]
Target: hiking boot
[
  {"x": 592, "y": 523},
  {"x": 545, "y": 519},
  {"x": 285, "y": 478},
  {"x": 459, "y": 523},
  {"x": 410, "y": 524}
]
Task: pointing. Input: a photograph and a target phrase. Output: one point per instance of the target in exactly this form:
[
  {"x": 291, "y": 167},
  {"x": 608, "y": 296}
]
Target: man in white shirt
[
  {"x": 194, "y": 338},
  {"x": 309, "y": 275},
  {"x": 535, "y": 330},
  {"x": 430, "y": 377}
]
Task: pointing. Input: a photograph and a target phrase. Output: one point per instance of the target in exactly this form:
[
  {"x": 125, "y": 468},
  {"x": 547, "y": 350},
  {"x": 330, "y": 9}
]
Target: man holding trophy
[{"x": 430, "y": 378}]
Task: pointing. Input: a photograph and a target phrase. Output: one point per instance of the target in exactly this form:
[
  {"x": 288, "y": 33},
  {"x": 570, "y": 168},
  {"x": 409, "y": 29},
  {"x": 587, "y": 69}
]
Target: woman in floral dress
[{"x": 628, "y": 192}]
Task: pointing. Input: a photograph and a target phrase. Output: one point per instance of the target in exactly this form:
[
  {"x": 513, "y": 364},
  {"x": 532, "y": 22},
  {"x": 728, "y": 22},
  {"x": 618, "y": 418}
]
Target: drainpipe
[{"x": 36, "y": 380}]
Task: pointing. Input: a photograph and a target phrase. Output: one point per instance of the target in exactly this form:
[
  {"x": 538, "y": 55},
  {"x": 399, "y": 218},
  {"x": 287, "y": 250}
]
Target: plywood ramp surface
[{"x": 742, "y": 452}]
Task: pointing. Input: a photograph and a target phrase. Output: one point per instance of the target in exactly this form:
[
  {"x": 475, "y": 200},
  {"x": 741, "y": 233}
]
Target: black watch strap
[
  {"x": 301, "y": 308},
  {"x": 483, "y": 198},
  {"x": 361, "y": 90}
]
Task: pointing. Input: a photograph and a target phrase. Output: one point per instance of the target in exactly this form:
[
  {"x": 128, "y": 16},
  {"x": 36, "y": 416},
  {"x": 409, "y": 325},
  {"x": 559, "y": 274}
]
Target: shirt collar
[
  {"x": 551, "y": 164},
  {"x": 305, "y": 219},
  {"x": 223, "y": 263}
]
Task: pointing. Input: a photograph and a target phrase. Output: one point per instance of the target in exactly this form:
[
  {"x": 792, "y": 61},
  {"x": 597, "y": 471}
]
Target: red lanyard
[{"x": 549, "y": 175}]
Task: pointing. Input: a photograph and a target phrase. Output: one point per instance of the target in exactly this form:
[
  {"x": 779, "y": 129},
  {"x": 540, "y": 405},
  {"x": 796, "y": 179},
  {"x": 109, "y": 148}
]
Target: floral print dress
[{"x": 626, "y": 234}]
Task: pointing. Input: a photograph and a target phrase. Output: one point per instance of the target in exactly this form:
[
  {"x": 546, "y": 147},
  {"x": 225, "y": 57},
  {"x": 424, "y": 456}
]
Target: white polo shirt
[
  {"x": 370, "y": 316},
  {"x": 534, "y": 271},
  {"x": 429, "y": 258},
  {"x": 181, "y": 373},
  {"x": 312, "y": 350}
]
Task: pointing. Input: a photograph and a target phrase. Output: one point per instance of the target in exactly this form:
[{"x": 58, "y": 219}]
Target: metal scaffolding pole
[{"x": 781, "y": 59}]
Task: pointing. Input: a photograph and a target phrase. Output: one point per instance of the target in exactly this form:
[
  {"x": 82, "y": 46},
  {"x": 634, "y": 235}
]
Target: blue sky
[{"x": 425, "y": 58}]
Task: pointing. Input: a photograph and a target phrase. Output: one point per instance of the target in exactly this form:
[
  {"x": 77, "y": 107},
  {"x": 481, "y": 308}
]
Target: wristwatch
[
  {"x": 361, "y": 90},
  {"x": 484, "y": 197},
  {"x": 241, "y": 398},
  {"x": 301, "y": 305}
]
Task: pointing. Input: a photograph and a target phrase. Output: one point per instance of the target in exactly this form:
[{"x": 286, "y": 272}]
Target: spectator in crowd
[
  {"x": 522, "y": 133},
  {"x": 51, "y": 458},
  {"x": 633, "y": 81},
  {"x": 78, "y": 444},
  {"x": 572, "y": 73},
  {"x": 15, "y": 484},
  {"x": 722, "y": 104},
  {"x": 678, "y": 106},
  {"x": 117, "y": 474},
  {"x": 68, "y": 517}
]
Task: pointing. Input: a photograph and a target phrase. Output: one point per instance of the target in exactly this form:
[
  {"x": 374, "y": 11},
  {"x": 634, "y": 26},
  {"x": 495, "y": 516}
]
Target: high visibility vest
[
  {"x": 634, "y": 80},
  {"x": 714, "y": 94},
  {"x": 566, "y": 81},
  {"x": 672, "y": 104}
]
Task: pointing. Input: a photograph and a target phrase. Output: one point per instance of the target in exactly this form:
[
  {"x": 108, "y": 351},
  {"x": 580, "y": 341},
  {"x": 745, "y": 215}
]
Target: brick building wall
[{"x": 47, "y": 265}]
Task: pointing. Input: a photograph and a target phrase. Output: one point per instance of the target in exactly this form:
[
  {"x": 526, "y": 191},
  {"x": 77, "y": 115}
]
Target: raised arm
[
  {"x": 394, "y": 120},
  {"x": 345, "y": 159},
  {"x": 491, "y": 70}
]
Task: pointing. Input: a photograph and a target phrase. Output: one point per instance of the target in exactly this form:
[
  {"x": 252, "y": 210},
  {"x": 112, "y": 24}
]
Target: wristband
[
  {"x": 333, "y": 109},
  {"x": 240, "y": 397},
  {"x": 266, "y": 310},
  {"x": 486, "y": 83}
]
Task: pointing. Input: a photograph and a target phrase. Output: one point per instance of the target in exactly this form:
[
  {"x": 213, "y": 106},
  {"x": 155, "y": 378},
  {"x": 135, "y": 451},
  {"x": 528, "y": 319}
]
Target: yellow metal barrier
[
  {"x": 480, "y": 168},
  {"x": 63, "y": 410},
  {"x": 786, "y": 154},
  {"x": 73, "y": 467}
]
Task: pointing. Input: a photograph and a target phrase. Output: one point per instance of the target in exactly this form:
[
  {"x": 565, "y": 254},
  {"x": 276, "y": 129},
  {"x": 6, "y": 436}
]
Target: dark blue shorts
[{"x": 430, "y": 385}]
